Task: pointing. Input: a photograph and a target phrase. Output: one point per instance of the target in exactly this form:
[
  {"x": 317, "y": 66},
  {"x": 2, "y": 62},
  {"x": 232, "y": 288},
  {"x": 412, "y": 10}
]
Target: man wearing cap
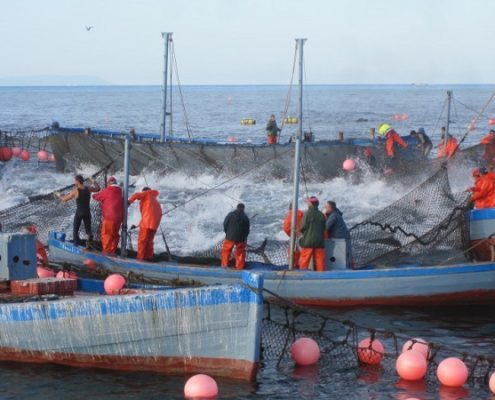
[
  {"x": 312, "y": 241},
  {"x": 236, "y": 228},
  {"x": 391, "y": 138},
  {"x": 112, "y": 209},
  {"x": 446, "y": 149},
  {"x": 424, "y": 142}
]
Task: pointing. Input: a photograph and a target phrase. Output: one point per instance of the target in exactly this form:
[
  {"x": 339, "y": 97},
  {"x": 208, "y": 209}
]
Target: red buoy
[
  {"x": 491, "y": 121},
  {"x": 42, "y": 155},
  {"x": 16, "y": 151},
  {"x": 5, "y": 153},
  {"x": 24, "y": 156}
]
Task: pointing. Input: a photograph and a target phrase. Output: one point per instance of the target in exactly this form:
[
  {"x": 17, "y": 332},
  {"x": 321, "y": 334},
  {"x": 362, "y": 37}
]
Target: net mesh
[{"x": 341, "y": 348}]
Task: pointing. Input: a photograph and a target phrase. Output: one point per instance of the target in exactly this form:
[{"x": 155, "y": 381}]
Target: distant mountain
[{"x": 53, "y": 80}]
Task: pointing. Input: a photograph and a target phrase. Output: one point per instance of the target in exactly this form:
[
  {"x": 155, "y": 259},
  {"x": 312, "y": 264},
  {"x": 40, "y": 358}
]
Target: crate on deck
[{"x": 43, "y": 286}]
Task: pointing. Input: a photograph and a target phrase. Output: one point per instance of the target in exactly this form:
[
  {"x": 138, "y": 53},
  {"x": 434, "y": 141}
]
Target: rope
[
  {"x": 179, "y": 86},
  {"x": 289, "y": 93}
]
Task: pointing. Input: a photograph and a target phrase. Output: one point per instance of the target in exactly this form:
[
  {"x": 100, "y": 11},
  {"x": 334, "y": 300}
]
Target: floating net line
[
  {"x": 32, "y": 140},
  {"x": 338, "y": 339}
]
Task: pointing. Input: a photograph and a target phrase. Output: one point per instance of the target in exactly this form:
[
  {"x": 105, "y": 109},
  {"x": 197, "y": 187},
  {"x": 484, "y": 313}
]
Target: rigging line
[
  {"x": 457, "y": 127},
  {"x": 179, "y": 86},
  {"x": 226, "y": 181},
  {"x": 176, "y": 169},
  {"x": 439, "y": 117},
  {"x": 306, "y": 93},
  {"x": 464, "y": 105},
  {"x": 289, "y": 93},
  {"x": 475, "y": 119},
  {"x": 170, "y": 126}
]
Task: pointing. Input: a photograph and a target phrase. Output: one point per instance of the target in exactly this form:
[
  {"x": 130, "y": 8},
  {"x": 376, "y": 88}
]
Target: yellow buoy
[
  {"x": 291, "y": 120},
  {"x": 248, "y": 121}
]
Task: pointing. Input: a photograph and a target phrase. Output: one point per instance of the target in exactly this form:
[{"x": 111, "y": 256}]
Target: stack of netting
[
  {"x": 284, "y": 322},
  {"x": 428, "y": 219},
  {"x": 48, "y": 213}
]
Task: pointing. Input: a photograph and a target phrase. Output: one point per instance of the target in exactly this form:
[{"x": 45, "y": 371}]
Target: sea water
[{"x": 214, "y": 112}]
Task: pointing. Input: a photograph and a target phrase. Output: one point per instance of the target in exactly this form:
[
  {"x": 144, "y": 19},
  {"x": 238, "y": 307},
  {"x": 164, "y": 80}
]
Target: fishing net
[
  {"x": 47, "y": 213},
  {"x": 426, "y": 220},
  {"x": 339, "y": 342}
]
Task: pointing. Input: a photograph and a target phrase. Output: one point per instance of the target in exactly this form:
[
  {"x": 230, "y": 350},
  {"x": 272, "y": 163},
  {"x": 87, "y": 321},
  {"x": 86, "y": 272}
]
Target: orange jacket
[
  {"x": 288, "y": 221},
  {"x": 449, "y": 149},
  {"x": 484, "y": 191},
  {"x": 151, "y": 211},
  {"x": 393, "y": 137},
  {"x": 489, "y": 142}
]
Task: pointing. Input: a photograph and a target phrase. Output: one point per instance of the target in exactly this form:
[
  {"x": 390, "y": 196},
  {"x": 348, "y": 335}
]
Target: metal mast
[
  {"x": 447, "y": 125},
  {"x": 297, "y": 156},
  {"x": 125, "y": 194},
  {"x": 167, "y": 36}
]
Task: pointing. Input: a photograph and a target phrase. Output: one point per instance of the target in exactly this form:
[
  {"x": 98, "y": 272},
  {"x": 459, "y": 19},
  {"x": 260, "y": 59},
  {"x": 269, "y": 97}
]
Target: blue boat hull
[
  {"x": 403, "y": 285},
  {"x": 212, "y": 330}
]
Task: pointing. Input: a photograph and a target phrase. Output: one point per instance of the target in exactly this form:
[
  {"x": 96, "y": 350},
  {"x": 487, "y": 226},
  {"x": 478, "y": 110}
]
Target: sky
[{"x": 250, "y": 41}]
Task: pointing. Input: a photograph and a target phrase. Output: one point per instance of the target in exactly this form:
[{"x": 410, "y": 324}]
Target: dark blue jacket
[
  {"x": 236, "y": 226},
  {"x": 336, "y": 226}
]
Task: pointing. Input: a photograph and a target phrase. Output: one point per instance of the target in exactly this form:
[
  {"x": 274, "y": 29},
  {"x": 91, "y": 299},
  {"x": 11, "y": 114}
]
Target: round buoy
[
  {"x": 370, "y": 354},
  {"x": 16, "y": 151},
  {"x": 24, "y": 156},
  {"x": 349, "y": 165},
  {"x": 89, "y": 264},
  {"x": 404, "y": 117},
  {"x": 6, "y": 153},
  {"x": 42, "y": 155},
  {"x": 45, "y": 272},
  {"x": 305, "y": 351},
  {"x": 491, "y": 121},
  {"x": 113, "y": 284},
  {"x": 67, "y": 274},
  {"x": 200, "y": 387},
  {"x": 231, "y": 139},
  {"x": 51, "y": 158},
  {"x": 417, "y": 344},
  {"x": 452, "y": 372},
  {"x": 396, "y": 117},
  {"x": 411, "y": 365},
  {"x": 491, "y": 383}
]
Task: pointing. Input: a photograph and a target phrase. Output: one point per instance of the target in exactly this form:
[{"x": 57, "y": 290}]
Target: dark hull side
[{"x": 320, "y": 160}]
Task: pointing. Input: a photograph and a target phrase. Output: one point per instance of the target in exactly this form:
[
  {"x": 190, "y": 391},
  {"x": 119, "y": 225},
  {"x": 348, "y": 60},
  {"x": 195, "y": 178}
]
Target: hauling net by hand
[{"x": 47, "y": 213}]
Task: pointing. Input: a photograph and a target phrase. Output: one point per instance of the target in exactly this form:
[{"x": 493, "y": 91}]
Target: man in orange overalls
[
  {"x": 236, "y": 228},
  {"x": 488, "y": 143},
  {"x": 151, "y": 215},
  {"x": 287, "y": 230},
  {"x": 313, "y": 242},
  {"x": 483, "y": 192},
  {"x": 447, "y": 149},
  {"x": 391, "y": 138}
]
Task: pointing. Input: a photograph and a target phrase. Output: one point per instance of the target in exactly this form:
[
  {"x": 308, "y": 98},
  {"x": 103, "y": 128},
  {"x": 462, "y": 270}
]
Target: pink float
[
  {"x": 349, "y": 165},
  {"x": 417, "y": 344},
  {"x": 305, "y": 351},
  {"x": 491, "y": 121},
  {"x": 370, "y": 354},
  {"x": 491, "y": 383},
  {"x": 200, "y": 387},
  {"x": 231, "y": 139},
  {"x": 42, "y": 155},
  {"x": 452, "y": 372},
  {"x": 45, "y": 272},
  {"x": 24, "y": 156},
  {"x": 52, "y": 158},
  {"x": 411, "y": 365},
  {"x": 5, "y": 153},
  {"x": 404, "y": 117},
  {"x": 16, "y": 151},
  {"x": 67, "y": 274},
  {"x": 113, "y": 284},
  {"x": 89, "y": 264}
]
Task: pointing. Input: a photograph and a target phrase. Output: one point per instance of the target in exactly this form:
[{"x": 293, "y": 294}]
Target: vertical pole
[
  {"x": 125, "y": 194},
  {"x": 297, "y": 156},
  {"x": 449, "y": 97},
  {"x": 167, "y": 36}
]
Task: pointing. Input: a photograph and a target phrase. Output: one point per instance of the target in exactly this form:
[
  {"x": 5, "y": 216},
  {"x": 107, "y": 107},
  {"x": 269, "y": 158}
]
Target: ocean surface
[{"x": 215, "y": 111}]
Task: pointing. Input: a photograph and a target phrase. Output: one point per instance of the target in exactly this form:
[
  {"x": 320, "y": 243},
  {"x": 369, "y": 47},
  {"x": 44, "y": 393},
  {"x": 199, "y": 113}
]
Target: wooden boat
[
  {"x": 214, "y": 330},
  {"x": 467, "y": 283}
]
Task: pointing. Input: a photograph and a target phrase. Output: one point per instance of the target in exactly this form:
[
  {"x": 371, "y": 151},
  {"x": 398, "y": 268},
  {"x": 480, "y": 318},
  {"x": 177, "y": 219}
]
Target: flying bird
[{"x": 88, "y": 28}]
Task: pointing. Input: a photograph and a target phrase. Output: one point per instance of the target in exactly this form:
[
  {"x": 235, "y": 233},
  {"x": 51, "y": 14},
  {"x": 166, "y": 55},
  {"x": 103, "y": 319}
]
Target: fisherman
[
  {"x": 312, "y": 241},
  {"x": 335, "y": 227},
  {"x": 151, "y": 215},
  {"x": 370, "y": 159},
  {"x": 446, "y": 149},
  {"x": 483, "y": 192},
  {"x": 424, "y": 142},
  {"x": 488, "y": 143},
  {"x": 272, "y": 130},
  {"x": 236, "y": 228},
  {"x": 287, "y": 230},
  {"x": 112, "y": 209},
  {"x": 391, "y": 138},
  {"x": 82, "y": 194}
]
